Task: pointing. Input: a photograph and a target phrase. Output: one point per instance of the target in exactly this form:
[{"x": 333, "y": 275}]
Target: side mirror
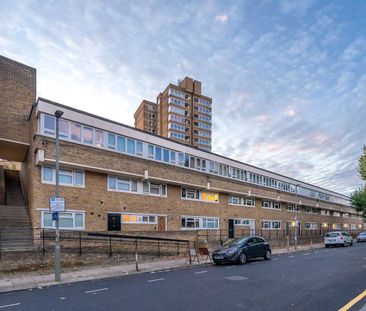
[{"x": 250, "y": 243}]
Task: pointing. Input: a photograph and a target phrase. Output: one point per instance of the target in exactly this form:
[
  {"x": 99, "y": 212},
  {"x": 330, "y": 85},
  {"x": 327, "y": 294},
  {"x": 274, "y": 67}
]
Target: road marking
[
  {"x": 230, "y": 267},
  {"x": 275, "y": 259},
  {"x": 199, "y": 272},
  {"x": 62, "y": 298},
  {"x": 155, "y": 280},
  {"x": 291, "y": 256},
  {"x": 236, "y": 278},
  {"x": 306, "y": 254},
  {"x": 353, "y": 301},
  {"x": 316, "y": 252},
  {"x": 12, "y": 305},
  {"x": 95, "y": 290}
]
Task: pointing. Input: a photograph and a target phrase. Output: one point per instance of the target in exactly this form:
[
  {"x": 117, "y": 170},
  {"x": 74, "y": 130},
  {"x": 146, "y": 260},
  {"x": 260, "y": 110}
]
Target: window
[
  {"x": 47, "y": 174},
  {"x": 271, "y": 205},
  {"x": 139, "y": 219},
  {"x": 210, "y": 196},
  {"x": 271, "y": 224},
  {"x": 193, "y": 222},
  {"x": 243, "y": 222},
  {"x": 311, "y": 225},
  {"x": 293, "y": 208},
  {"x": 64, "y": 129},
  {"x": 190, "y": 194},
  {"x": 120, "y": 184},
  {"x": 150, "y": 150},
  {"x": 310, "y": 210},
  {"x": 139, "y": 148},
  {"x": 111, "y": 141},
  {"x": 66, "y": 177},
  {"x": 49, "y": 125},
  {"x": 68, "y": 220},
  {"x": 76, "y": 132},
  {"x": 240, "y": 200},
  {"x": 87, "y": 135},
  {"x": 154, "y": 189},
  {"x": 121, "y": 143},
  {"x": 99, "y": 138},
  {"x": 130, "y": 146},
  {"x": 158, "y": 153},
  {"x": 166, "y": 155}
]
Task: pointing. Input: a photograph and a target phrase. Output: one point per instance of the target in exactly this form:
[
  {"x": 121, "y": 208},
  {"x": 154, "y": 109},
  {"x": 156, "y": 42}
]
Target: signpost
[{"x": 57, "y": 204}]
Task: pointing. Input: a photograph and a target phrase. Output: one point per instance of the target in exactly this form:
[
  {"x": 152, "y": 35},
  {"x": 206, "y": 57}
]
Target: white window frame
[
  {"x": 73, "y": 212},
  {"x": 310, "y": 225},
  {"x": 139, "y": 217},
  {"x": 271, "y": 205},
  {"x": 201, "y": 220},
  {"x": 73, "y": 177},
  {"x": 271, "y": 224},
  {"x": 130, "y": 182}
]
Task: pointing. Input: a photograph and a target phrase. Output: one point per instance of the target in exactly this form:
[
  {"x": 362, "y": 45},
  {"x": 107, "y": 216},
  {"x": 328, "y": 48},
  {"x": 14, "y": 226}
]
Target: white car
[{"x": 338, "y": 238}]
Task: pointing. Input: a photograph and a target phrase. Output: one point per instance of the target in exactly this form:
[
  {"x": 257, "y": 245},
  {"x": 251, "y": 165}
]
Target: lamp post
[{"x": 58, "y": 115}]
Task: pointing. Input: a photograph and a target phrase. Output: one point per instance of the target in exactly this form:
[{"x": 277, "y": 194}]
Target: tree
[
  {"x": 358, "y": 201},
  {"x": 362, "y": 164},
  {"x": 358, "y": 197}
]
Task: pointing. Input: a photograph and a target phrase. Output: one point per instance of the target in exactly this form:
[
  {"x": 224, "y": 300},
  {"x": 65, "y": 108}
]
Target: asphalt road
[{"x": 322, "y": 279}]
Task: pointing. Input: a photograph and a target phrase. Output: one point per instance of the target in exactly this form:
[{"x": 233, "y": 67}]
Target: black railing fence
[{"x": 153, "y": 243}]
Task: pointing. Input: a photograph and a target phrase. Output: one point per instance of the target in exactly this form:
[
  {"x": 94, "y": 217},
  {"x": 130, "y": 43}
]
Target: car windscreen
[
  {"x": 363, "y": 233},
  {"x": 235, "y": 242},
  {"x": 332, "y": 235}
]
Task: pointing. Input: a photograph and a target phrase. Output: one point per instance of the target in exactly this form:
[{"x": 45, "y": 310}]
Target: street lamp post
[{"x": 58, "y": 115}]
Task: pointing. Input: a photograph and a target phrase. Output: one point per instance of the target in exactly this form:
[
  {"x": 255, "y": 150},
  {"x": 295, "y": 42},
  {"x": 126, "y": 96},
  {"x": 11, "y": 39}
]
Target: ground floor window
[
  {"x": 68, "y": 220},
  {"x": 194, "y": 222},
  {"x": 139, "y": 219},
  {"x": 311, "y": 225},
  {"x": 271, "y": 224}
]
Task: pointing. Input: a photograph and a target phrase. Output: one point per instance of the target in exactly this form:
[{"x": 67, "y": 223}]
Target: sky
[{"x": 287, "y": 78}]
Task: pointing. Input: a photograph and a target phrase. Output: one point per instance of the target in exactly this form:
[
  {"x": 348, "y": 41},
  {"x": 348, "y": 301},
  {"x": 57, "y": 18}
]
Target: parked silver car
[
  {"x": 361, "y": 237},
  {"x": 335, "y": 238}
]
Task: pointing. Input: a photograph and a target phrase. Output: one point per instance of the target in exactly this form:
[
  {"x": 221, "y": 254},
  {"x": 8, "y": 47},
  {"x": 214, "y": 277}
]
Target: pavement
[{"x": 31, "y": 280}]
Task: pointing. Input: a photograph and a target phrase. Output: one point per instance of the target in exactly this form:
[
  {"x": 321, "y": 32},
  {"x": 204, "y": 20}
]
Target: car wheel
[
  {"x": 242, "y": 258},
  {"x": 344, "y": 244},
  {"x": 326, "y": 246},
  {"x": 351, "y": 243},
  {"x": 217, "y": 263},
  {"x": 267, "y": 255}
]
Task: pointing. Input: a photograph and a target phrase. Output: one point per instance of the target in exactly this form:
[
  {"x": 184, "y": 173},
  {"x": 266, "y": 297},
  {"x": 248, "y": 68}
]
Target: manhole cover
[{"x": 236, "y": 278}]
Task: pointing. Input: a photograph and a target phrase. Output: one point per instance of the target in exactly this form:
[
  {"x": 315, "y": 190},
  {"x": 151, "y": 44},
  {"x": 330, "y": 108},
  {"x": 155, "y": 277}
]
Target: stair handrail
[{"x": 23, "y": 192}]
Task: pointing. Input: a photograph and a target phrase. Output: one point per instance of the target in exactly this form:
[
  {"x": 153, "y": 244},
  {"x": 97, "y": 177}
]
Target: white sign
[{"x": 57, "y": 204}]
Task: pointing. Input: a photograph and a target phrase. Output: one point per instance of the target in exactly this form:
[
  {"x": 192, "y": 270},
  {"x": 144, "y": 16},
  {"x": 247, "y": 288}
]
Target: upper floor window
[
  {"x": 310, "y": 210},
  {"x": 154, "y": 189},
  {"x": 311, "y": 225},
  {"x": 271, "y": 204},
  {"x": 293, "y": 207},
  {"x": 240, "y": 200},
  {"x": 120, "y": 184},
  {"x": 194, "y": 194},
  {"x": 66, "y": 177}
]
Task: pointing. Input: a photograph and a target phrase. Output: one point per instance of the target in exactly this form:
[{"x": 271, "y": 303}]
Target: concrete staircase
[{"x": 15, "y": 227}]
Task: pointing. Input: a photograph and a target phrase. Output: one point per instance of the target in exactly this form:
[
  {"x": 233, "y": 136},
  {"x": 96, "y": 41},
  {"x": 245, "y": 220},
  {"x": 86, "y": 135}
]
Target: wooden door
[{"x": 161, "y": 223}]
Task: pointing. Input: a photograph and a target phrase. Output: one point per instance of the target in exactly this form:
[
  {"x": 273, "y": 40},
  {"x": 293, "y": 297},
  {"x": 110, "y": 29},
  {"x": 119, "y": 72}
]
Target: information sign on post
[{"x": 57, "y": 204}]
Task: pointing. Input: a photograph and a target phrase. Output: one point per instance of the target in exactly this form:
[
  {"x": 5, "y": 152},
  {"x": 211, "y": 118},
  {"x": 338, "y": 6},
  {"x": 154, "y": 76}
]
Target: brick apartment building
[
  {"x": 116, "y": 177},
  {"x": 181, "y": 113}
]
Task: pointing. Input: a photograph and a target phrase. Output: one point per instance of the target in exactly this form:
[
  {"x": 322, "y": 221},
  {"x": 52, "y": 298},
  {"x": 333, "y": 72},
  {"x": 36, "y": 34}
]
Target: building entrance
[{"x": 114, "y": 222}]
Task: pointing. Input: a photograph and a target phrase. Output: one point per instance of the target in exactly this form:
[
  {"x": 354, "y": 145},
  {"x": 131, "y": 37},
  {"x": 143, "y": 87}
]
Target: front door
[
  {"x": 161, "y": 223},
  {"x": 114, "y": 222},
  {"x": 231, "y": 229}
]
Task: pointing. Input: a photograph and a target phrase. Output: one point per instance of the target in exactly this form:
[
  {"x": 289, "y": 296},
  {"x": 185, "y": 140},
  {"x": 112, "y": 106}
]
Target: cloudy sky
[{"x": 287, "y": 78}]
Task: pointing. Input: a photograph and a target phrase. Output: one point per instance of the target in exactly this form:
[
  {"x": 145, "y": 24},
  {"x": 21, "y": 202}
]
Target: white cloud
[{"x": 223, "y": 18}]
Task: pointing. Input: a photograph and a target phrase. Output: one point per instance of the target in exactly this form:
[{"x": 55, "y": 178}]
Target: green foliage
[
  {"x": 362, "y": 164},
  {"x": 358, "y": 201}
]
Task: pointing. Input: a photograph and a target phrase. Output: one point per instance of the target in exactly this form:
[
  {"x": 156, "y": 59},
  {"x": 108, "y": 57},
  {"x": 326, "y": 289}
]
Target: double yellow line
[{"x": 353, "y": 301}]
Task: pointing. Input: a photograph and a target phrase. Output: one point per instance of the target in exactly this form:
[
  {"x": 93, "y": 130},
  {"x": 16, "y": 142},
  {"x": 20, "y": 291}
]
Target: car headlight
[{"x": 232, "y": 251}]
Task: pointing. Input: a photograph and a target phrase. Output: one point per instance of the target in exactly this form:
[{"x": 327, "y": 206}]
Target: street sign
[
  {"x": 55, "y": 216},
  {"x": 57, "y": 204}
]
